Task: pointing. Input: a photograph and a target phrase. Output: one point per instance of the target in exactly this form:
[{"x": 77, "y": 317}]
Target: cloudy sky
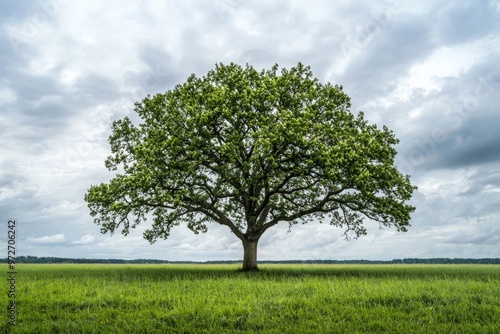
[{"x": 429, "y": 70}]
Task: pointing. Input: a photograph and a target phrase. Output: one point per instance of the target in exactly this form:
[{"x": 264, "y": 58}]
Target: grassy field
[{"x": 279, "y": 299}]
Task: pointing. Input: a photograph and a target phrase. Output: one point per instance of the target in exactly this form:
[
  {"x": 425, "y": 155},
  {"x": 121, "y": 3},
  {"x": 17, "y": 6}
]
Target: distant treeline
[{"x": 35, "y": 259}]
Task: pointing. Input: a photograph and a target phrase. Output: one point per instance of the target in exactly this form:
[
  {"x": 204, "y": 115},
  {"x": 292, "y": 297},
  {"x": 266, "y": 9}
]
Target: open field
[{"x": 280, "y": 299}]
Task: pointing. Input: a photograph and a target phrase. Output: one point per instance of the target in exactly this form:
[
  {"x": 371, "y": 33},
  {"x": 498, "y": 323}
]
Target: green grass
[{"x": 279, "y": 299}]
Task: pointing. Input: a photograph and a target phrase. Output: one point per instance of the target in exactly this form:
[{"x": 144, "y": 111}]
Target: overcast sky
[{"x": 429, "y": 70}]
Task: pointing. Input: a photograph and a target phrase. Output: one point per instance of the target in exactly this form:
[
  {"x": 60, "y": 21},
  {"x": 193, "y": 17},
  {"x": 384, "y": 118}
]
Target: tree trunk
[{"x": 250, "y": 255}]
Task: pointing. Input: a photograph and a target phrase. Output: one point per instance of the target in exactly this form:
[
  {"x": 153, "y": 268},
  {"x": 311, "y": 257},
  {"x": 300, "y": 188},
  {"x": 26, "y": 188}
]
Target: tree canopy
[{"x": 249, "y": 149}]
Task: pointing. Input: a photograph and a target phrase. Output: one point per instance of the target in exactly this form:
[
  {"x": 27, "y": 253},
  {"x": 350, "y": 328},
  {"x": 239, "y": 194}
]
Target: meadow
[{"x": 79, "y": 298}]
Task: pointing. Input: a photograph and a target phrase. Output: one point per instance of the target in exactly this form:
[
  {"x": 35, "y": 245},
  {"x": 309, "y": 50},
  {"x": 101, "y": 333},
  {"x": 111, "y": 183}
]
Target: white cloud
[
  {"x": 56, "y": 238},
  {"x": 63, "y": 206},
  {"x": 86, "y": 239},
  {"x": 7, "y": 95}
]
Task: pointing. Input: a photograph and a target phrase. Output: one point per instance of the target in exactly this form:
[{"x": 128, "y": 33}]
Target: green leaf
[{"x": 248, "y": 150}]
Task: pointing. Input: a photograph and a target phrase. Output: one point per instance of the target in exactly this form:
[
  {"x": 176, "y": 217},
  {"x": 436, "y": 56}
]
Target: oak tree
[{"x": 250, "y": 149}]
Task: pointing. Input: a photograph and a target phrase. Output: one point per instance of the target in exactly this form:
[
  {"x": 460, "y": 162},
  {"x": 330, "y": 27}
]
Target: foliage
[
  {"x": 278, "y": 299},
  {"x": 248, "y": 150}
]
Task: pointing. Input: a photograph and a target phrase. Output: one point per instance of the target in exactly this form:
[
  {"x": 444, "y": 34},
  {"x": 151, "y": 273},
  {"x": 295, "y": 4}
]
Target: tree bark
[{"x": 250, "y": 255}]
